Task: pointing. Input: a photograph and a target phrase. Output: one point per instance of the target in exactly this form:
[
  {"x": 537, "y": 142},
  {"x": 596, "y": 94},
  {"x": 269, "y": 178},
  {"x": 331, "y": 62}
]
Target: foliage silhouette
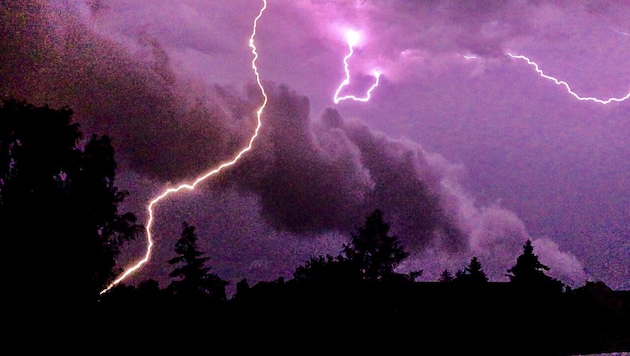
[
  {"x": 62, "y": 230},
  {"x": 529, "y": 273},
  {"x": 193, "y": 280},
  {"x": 327, "y": 269},
  {"x": 472, "y": 274},
  {"x": 373, "y": 250},
  {"x": 371, "y": 255},
  {"x": 58, "y": 206},
  {"x": 446, "y": 276}
]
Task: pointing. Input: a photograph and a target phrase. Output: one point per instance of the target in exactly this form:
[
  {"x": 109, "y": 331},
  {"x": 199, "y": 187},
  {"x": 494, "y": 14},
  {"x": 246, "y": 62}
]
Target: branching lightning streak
[
  {"x": 565, "y": 84},
  {"x": 191, "y": 186},
  {"x": 352, "y": 38}
]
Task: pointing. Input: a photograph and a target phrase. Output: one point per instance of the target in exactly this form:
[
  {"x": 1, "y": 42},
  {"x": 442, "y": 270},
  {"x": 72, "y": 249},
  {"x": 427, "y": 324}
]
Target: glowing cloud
[
  {"x": 191, "y": 186},
  {"x": 565, "y": 84},
  {"x": 352, "y": 38}
]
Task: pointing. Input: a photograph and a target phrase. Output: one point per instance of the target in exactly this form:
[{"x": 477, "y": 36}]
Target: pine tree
[
  {"x": 472, "y": 274},
  {"x": 192, "y": 278},
  {"x": 529, "y": 272},
  {"x": 446, "y": 276},
  {"x": 375, "y": 253}
]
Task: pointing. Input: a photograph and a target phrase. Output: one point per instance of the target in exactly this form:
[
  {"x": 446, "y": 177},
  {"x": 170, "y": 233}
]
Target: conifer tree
[
  {"x": 446, "y": 276},
  {"x": 530, "y": 272},
  {"x": 473, "y": 273},
  {"x": 373, "y": 250},
  {"x": 192, "y": 278}
]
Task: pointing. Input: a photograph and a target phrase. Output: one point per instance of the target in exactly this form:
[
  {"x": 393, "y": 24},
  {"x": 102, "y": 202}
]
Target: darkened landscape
[
  {"x": 315, "y": 177},
  {"x": 64, "y": 231}
]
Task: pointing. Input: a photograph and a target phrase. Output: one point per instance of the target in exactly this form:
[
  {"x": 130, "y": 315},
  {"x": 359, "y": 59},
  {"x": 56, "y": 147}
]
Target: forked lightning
[
  {"x": 352, "y": 38},
  {"x": 191, "y": 186},
  {"x": 565, "y": 84}
]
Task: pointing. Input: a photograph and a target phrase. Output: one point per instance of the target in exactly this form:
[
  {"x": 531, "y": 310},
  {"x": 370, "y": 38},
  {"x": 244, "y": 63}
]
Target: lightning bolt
[
  {"x": 621, "y": 32},
  {"x": 352, "y": 38},
  {"x": 191, "y": 186},
  {"x": 565, "y": 84}
]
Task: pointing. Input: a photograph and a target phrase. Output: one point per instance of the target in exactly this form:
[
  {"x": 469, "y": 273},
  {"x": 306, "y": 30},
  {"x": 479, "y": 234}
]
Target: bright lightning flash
[
  {"x": 565, "y": 84},
  {"x": 191, "y": 186},
  {"x": 352, "y": 38}
]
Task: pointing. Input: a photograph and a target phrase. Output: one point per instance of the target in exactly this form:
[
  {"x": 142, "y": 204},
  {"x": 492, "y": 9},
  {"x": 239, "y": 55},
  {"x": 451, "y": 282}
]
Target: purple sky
[{"x": 466, "y": 157}]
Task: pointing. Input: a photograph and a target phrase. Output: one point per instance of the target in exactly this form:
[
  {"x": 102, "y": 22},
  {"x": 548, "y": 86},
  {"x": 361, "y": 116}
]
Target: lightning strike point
[
  {"x": 191, "y": 186},
  {"x": 352, "y": 38},
  {"x": 565, "y": 84}
]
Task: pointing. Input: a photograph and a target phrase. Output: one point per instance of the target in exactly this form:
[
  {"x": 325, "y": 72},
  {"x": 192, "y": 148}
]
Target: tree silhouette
[
  {"x": 193, "y": 280},
  {"x": 529, "y": 272},
  {"x": 327, "y": 269},
  {"x": 242, "y": 288},
  {"x": 446, "y": 276},
  {"x": 58, "y": 206},
  {"x": 472, "y": 274},
  {"x": 373, "y": 251},
  {"x": 372, "y": 255},
  {"x": 94, "y": 199}
]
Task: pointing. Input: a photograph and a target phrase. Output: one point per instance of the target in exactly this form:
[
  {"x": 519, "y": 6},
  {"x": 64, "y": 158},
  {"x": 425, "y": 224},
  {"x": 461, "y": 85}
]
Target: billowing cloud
[
  {"x": 562, "y": 265},
  {"x": 163, "y": 126},
  {"x": 328, "y": 174}
]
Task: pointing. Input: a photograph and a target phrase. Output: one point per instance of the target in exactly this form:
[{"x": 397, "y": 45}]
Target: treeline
[
  {"x": 62, "y": 230},
  {"x": 358, "y": 294}
]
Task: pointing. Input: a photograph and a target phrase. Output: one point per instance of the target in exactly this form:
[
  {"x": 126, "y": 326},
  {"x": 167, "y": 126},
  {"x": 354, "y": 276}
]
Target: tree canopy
[
  {"x": 58, "y": 204},
  {"x": 372, "y": 254}
]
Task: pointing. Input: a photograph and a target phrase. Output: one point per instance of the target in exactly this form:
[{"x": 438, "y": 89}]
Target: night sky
[{"x": 467, "y": 151}]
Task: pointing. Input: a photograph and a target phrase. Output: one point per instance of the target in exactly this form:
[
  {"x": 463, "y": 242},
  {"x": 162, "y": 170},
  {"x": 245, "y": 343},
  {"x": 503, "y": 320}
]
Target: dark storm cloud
[
  {"x": 158, "y": 125},
  {"x": 328, "y": 174},
  {"x": 302, "y": 186}
]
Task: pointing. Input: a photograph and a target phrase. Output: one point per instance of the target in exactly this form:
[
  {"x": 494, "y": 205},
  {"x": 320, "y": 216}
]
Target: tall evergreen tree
[
  {"x": 373, "y": 250},
  {"x": 472, "y": 274},
  {"x": 529, "y": 272},
  {"x": 192, "y": 278},
  {"x": 446, "y": 276}
]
